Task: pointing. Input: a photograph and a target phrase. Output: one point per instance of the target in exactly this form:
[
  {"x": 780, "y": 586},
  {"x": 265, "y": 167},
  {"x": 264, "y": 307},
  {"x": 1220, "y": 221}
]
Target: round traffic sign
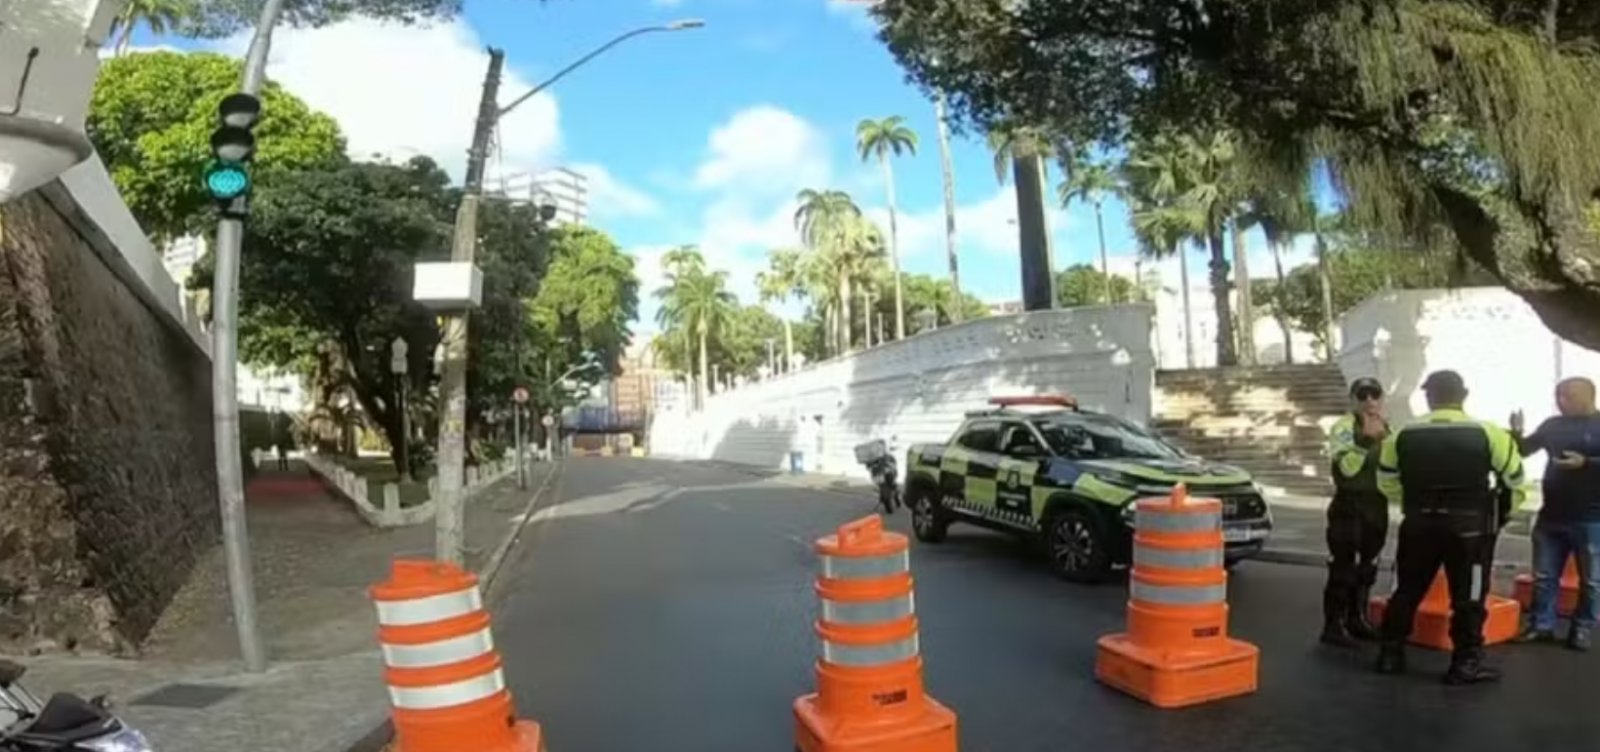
[
  {"x": 519, "y": 395},
  {"x": 548, "y": 421}
]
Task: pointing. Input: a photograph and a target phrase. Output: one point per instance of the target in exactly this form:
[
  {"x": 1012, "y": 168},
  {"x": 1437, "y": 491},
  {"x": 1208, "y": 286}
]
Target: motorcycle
[
  {"x": 65, "y": 723},
  {"x": 879, "y": 460}
]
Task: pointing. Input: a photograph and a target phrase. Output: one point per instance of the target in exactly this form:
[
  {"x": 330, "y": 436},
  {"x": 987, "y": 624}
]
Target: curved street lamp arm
[{"x": 580, "y": 61}]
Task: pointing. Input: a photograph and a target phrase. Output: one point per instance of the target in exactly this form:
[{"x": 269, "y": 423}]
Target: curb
[
  {"x": 378, "y": 738},
  {"x": 1303, "y": 558}
]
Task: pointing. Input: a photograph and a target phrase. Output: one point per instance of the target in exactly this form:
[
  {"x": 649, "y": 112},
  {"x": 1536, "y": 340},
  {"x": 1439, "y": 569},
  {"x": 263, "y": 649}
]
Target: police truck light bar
[{"x": 1051, "y": 400}]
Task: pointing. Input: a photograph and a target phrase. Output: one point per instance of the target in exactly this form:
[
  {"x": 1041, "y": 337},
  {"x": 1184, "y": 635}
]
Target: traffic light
[{"x": 232, "y": 147}]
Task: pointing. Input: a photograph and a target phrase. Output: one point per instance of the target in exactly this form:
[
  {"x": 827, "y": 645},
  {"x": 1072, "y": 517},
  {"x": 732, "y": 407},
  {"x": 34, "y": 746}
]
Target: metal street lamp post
[
  {"x": 397, "y": 366},
  {"x": 452, "y": 423}
]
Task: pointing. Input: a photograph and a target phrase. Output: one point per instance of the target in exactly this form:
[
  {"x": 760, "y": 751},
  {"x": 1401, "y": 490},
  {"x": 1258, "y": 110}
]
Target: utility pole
[
  {"x": 224, "y": 378},
  {"x": 453, "y": 385}
]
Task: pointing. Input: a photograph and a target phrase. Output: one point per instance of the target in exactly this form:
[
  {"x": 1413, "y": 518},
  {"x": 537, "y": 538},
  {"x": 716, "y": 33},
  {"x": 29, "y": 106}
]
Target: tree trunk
[
  {"x": 1033, "y": 235},
  {"x": 846, "y": 338},
  {"x": 894, "y": 253},
  {"x": 866, "y": 313},
  {"x": 1276, "y": 245},
  {"x": 788, "y": 346},
  {"x": 1105, "y": 261},
  {"x": 705, "y": 370},
  {"x": 1325, "y": 283},
  {"x": 1188, "y": 310},
  {"x": 949, "y": 175},
  {"x": 1227, "y": 355},
  {"x": 1246, "y": 321},
  {"x": 126, "y": 36}
]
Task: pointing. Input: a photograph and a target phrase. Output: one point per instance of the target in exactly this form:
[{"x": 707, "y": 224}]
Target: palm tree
[
  {"x": 828, "y": 221},
  {"x": 1092, "y": 181},
  {"x": 881, "y": 139},
  {"x": 1212, "y": 187},
  {"x": 783, "y": 278},
  {"x": 698, "y": 301},
  {"x": 1162, "y": 219},
  {"x": 1026, "y": 150},
  {"x": 948, "y": 173},
  {"x": 157, "y": 15},
  {"x": 1282, "y": 215}
]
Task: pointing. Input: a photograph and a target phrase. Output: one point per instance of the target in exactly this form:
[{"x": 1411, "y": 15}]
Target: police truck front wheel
[
  {"x": 929, "y": 521},
  {"x": 1075, "y": 541}
]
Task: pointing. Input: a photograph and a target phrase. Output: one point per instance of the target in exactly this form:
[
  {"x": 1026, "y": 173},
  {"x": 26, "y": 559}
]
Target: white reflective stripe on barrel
[
  {"x": 869, "y": 655},
  {"x": 865, "y": 567},
  {"x": 430, "y": 609},
  {"x": 1188, "y": 558},
  {"x": 448, "y": 695},
  {"x": 1168, "y": 522},
  {"x": 871, "y": 612},
  {"x": 441, "y": 653},
  {"x": 1178, "y": 595}
]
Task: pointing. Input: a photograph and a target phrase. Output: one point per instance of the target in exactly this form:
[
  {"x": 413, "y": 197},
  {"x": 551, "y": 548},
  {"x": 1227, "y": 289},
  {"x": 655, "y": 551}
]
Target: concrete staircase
[{"x": 1269, "y": 420}]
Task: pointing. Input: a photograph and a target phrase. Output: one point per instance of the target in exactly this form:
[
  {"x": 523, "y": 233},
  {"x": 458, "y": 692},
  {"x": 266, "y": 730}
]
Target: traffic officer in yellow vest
[
  {"x": 1358, "y": 517},
  {"x": 1438, "y": 469}
]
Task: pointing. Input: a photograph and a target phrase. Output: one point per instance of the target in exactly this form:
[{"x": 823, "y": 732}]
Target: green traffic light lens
[{"x": 227, "y": 182}]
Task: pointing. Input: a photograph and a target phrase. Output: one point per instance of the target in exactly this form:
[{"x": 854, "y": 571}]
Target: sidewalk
[
  {"x": 1299, "y": 522},
  {"x": 314, "y": 560}
]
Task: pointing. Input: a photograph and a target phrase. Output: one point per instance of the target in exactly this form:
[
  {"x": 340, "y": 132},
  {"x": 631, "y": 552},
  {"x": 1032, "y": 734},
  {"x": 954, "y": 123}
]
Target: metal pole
[
  {"x": 224, "y": 385},
  {"x": 516, "y": 421},
  {"x": 453, "y": 385}
]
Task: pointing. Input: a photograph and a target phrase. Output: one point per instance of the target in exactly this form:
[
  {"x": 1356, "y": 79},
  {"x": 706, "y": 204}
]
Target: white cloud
[
  {"x": 986, "y": 227},
  {"x": 764, "y": 150},
  {"x": 609, "y": 196},
  {"x": 399, "y": 91}
]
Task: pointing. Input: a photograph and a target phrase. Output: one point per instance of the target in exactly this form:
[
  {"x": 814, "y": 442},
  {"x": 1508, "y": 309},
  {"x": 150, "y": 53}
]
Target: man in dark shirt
[{"x": 1569, "y": 520}]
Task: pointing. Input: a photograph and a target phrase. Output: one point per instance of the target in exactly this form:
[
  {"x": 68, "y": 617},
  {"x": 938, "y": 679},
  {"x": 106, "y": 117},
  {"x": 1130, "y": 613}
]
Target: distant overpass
[{"x": 592, "y": 419}]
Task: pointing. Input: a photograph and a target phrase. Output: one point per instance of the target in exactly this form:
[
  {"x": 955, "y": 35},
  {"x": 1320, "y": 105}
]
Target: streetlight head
[
  {"x": 547, "y": 212},
  {"x": 687, "y": 23}
]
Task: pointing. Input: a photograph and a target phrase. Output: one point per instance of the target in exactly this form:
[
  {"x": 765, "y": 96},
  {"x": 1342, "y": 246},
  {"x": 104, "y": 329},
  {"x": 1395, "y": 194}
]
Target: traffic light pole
[
  {"x": 453, "y": 386},
  {"x": 224, "y": 380}
]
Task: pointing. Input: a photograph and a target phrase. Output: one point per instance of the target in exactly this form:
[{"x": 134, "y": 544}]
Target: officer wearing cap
[
  {"x": 1438, "y": 470},
  {"x": 1358, "y": 517}
]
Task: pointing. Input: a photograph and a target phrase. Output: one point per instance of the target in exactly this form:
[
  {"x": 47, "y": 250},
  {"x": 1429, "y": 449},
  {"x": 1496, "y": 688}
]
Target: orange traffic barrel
[
  {"x": 444, "y": 674},
  {"x": 1431, "y": 629},
  {"x": 1568, "y": 601},
  {"x": 1176, "y": 651},
  {"x": 869, "y": 694}
]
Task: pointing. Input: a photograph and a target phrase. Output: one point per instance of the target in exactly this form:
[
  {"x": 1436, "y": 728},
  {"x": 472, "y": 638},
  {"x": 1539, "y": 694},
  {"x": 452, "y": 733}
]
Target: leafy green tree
[
  {"x": 1471, "y": 115},
  {"x": 151, "y": 118},
  {"x": 503, "y": 347},
  {"x": 585, "y": 306},
  {"x": 929, "y": 304},
  {"x": 1162, "y": 219},
  {"x": 221, "y": 18},
  {"x": 883, "y": 139},
  {"x": 1082, "y": 285},
  {"x": 831, "y": 225},
  {"x": 329, "y": 265}
]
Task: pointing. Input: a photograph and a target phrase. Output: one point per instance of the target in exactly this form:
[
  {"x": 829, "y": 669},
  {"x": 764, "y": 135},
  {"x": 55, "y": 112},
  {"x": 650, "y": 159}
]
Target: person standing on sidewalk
[
  {"x": 1358, "y": 516},
  {"x": 1438, "y": 470},
  {"x": 1569, "y": 520}
]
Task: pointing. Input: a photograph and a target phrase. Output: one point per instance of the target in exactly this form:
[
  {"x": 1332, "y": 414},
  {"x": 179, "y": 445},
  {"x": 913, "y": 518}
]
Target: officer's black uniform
[
  {"x": 1438, "y": 469},
  {"x": 1358, "y": 524}
]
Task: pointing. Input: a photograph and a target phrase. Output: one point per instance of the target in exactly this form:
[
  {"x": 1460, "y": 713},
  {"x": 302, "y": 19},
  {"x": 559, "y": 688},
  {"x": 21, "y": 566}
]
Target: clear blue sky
[{"x": 702, "y": 136}]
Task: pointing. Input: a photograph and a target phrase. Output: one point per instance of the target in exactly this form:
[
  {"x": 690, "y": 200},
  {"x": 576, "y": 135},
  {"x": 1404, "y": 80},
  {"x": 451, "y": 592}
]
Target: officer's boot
[
  {"x": 1392, "y": 658},
  {"x": 1467, "y": 667},
  {"x": 1334, "y": 610},
  {"x": 1356, "y": 623}
]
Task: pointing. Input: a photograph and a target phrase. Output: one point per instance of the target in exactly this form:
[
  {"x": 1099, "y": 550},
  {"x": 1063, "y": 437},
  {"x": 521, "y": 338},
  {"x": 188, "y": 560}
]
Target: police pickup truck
[{"x": 1068, "y": 478}]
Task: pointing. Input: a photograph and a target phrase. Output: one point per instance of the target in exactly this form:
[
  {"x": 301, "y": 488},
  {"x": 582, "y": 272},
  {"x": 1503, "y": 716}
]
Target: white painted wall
[
  {"x": 49, "y": 57},
  {"x": 1506, "y": 355},
  {"x": 1169, "y": 327},
  {"x": 917, "y": 390}
]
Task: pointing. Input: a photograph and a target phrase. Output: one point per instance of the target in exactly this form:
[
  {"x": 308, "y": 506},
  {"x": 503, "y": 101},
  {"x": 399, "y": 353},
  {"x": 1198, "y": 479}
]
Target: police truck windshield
[{"x": 1098, "y": 437}]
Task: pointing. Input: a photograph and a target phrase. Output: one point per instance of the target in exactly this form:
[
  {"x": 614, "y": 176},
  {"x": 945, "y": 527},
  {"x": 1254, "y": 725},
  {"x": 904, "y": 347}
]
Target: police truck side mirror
[{"x": 233, "y": 146}]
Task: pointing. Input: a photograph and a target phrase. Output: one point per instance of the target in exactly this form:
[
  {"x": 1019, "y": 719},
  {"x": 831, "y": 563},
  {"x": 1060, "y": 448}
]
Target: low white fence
[{"x": 388, "y": 512}]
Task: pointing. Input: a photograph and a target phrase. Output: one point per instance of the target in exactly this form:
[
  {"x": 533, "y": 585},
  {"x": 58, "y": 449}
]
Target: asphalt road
[{"x": 668, "y": 606}]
